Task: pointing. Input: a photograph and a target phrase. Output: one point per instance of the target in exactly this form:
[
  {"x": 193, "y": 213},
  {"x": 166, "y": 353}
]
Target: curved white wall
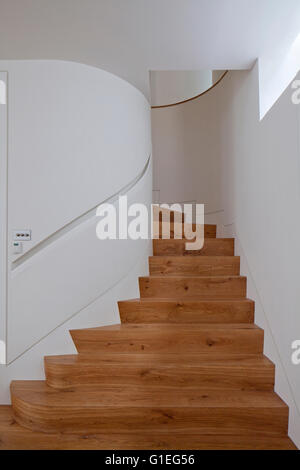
[
  {"x": 72, "y": 292},
  {"x": 76, "y": 136}
]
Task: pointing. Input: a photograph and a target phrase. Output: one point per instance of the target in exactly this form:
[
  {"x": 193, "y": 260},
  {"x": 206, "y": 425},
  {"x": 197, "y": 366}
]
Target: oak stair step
[
  {"x": 117, "y": 409},
  {"x": 185, "y": 370},
  {"x": 169, "y": 338},
  {"x": 186, "y": 311},
  {"x": 211, "y": 247},
  {"x": 210, "y": 230},
  {"x": 168, "y": 214},
  {"x": 16, "y": 437},
  {"x": 196, "y": 265},
  {"x": 218, "y": 287},
  {"x": 231, "y": 372}
]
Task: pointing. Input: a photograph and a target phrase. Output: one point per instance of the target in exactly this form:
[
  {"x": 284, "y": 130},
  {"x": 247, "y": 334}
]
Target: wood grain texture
[
  {"x": 120, "y": 409},
  {"x": 16, "y": 437},
  {"x": 237, "y": 372},
  {"x": 210, "y": 231},
  {"x": 201, "y": 287},
  {"x": 194, "y": 266},
  {"x": 160, "y": 338},
  {"x": 212, "y": 247},
  {"x": 185, "y": 370},
  {"x": 160, "y": 213},
  {"x": 186, "y": 311}
]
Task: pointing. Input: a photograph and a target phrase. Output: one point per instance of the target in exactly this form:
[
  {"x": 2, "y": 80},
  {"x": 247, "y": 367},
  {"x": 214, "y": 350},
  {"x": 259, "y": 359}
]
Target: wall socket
[{"x": 22, "y": 235}]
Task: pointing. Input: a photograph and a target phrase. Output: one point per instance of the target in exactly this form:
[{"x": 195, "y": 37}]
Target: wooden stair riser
[
  {"x": 212, "y": 375},
  {"x": 186, "y": 311},
  {"x": 197, "y": 266},
  {"x": 176, "y": 420},
  {"x": 168, "y": 215},
  {"x": 179, "y": 218},
  {"x": 212, "y": 247},
  {"x": 210, "y": 231},
  {"x": 182, "y": 287},
  {"x": 16, "y": 437},
  {"x": 169, "y": 341},
  {"x": 185, "y": 370}
]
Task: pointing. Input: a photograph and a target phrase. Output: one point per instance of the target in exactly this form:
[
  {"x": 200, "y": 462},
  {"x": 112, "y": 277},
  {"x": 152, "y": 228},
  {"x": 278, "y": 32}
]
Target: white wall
[
  {"x": 172, "y": 86},
  {"x": 3, "y": 213},
  {"x": 78, "y": 289},
  {"x": 186, "y": 154},
  {"x": 261, "y": 198},
  {"x": 71, "y": 127},
  {"x": 76, "y": 136}
]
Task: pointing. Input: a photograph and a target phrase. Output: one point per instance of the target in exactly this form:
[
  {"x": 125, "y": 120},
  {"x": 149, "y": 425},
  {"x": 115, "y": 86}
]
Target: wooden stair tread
[
  {"x": 169, "y": 328},
  {"x": 143, "y": 300},
  {"x": 16, "y": 437},
  {"x": 38, "y": 394},
  {"x": 209, "y": 277},
  {"x": 162, "y": 360},
  {"x": 195, "y": 259},
  {"x": 210, "y": 241}
]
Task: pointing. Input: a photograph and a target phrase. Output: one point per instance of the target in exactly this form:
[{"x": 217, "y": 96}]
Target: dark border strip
[{"x": 194, "y": 97}]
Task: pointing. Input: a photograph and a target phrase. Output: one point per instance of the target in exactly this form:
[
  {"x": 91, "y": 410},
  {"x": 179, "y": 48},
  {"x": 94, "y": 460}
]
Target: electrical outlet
[{"x": 22, "y": 235}]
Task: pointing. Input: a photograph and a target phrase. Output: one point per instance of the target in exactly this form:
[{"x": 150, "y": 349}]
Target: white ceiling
[{"x": 131, "y": 37}]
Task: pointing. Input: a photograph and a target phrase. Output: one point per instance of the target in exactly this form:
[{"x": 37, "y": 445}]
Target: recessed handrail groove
[
  {"x": 77, "y": 221},
  {"x": 194, "y": 97}
]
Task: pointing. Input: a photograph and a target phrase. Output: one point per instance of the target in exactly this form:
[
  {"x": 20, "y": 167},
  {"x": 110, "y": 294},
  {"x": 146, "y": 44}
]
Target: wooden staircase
[{"x": 185, "y": 370}]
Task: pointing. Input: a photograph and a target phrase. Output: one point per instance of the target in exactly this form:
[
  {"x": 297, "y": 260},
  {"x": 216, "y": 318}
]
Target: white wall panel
[
  {"x": 3, "y": 214},
  {"x": 69, "y": 274},
  {"x": 77, "y": 135}
]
